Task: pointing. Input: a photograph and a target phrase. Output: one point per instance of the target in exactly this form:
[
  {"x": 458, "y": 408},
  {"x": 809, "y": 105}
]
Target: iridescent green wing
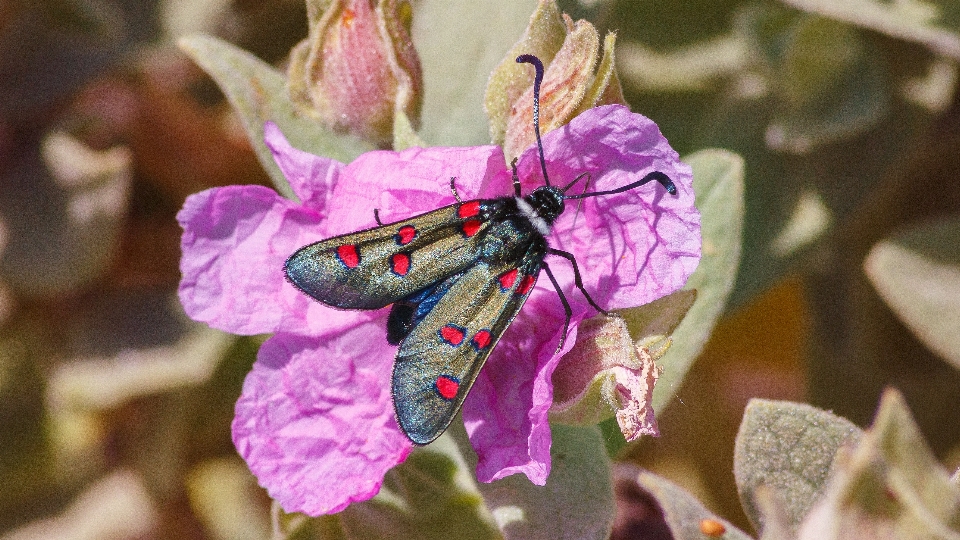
[
  {"x": 376, "y": 267},
  {"x": 439, "y": 360}
]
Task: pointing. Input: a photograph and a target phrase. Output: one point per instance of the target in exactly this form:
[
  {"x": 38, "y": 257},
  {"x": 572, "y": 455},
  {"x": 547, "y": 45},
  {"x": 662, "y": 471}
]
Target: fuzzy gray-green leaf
[
  {"x": 682, "y": 512},
  {"x": 890, "y": 486},
  {"x": 789, "y": 448},
  {"x": 933, "y": 23},
  {"x": 459, "y": 44},
  {"x": 577, "y": 501}
]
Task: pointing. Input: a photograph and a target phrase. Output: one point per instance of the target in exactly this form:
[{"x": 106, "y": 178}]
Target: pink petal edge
[
  {"x": 235, "y": 242},
  {"x": 304, "y": 420}
]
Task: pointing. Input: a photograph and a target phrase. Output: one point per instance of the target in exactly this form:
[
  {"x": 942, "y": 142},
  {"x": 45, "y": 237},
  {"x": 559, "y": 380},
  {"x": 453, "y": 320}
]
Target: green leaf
[
  {"x": 301, "y": 527},
  {"x": 917, "y": 273},
  {"x": 718, "y": 183},
  {"x": 404, "y": 136},
  {"x": 787, "y": 448},
  {"x": 101, "y": 382},
  {"x": 577, "y": 502},
  {"x": 933, "y": 23},
  {"x": 682, "y": 512},
  {"x": 776, "y": 522},
  {"x": 118, "y": 505},
  {"x": 890, "y": 486},
  {"x": 43, "y": 455},
  {"x": 432, "y": 495},
  {"x": 460, "y": 43},
  {"x": 435, "y": 495},
  {"x": 258, "y": 93},
  {"x": 657, "y": 320}
]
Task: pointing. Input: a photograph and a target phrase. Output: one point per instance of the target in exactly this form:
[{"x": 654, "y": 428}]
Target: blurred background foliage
[{"x": 115, "y": 409}]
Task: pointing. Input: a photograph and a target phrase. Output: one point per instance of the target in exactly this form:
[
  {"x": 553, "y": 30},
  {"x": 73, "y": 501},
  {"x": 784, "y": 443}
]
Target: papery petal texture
[
  {"x": 506, "y": 414},
  {"x": 311, "y": 177},
  {"x": 632, "y": 247},
  {"x": 234, "y": 244},
  {"x": 404, "y": 184},
  {"x": 315, "y": 420}
]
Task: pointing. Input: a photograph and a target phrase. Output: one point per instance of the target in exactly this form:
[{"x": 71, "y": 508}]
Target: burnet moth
[{"x": 456, "y": 277}]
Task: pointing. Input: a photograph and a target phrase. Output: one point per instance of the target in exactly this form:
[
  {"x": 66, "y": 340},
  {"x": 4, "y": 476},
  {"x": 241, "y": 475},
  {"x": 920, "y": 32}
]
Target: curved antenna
[
  {"x": 538, "y": 65},
  {"x": 655, "y": 175}
]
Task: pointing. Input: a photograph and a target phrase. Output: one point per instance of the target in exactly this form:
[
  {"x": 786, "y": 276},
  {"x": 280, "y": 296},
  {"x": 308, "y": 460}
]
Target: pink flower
[{"x": 315, "y": 422}]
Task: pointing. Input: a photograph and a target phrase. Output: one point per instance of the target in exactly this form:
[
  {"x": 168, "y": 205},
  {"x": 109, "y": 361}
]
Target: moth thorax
[{"x": 547, "y": 202}]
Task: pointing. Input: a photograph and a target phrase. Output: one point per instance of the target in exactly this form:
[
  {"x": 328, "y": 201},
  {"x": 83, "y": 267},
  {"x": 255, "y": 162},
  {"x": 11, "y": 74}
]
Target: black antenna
[
  {"x": 538, "y": 65},
  {"x": 655, "y": 175}
]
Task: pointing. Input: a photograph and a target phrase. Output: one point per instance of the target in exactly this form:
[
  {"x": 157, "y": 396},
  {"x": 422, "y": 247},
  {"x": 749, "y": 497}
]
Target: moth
[{"x": 456, "y": 278}]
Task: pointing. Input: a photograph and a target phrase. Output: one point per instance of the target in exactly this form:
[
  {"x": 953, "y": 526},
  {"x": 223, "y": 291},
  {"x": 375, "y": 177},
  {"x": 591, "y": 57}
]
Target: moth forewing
[{"x": 376, "y": 267}]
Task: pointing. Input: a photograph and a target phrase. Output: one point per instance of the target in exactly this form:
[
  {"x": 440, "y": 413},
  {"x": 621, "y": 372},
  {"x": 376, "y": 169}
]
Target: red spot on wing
[
  {"x": 348, "y": 255},
  {"x": 447, "y": 387},
  {"x": 468, "y": 209},
  {"x": 400, "y": 263},
  {"x": 470, "y": 227},
  {"x": 481, "y": 340},
  {"x": 453, "y": 334},
  {"x": 406, "y": 234},
  {"x": 507, "y": 279},
  {"x": 526, "y": 284}
]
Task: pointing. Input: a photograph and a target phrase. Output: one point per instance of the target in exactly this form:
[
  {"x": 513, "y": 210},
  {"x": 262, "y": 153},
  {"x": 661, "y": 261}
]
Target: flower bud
[
  {"x": 357, "y": 68},
  {"x": 604, "y": 375},
  {"x": 573, "y": 80}
]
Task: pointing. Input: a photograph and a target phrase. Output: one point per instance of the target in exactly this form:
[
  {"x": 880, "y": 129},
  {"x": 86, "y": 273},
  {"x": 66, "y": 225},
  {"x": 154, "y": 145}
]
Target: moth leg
[
  {"x": 376, "y": 216},
  {"x": 516, "y": 177},
  {"x": 577, "y": 179},
  {"x": 573, "y": 225},
  {"x": 566, "y": 307},
  {"x": 453, "y": 188},
  {"x": 576, "y": 277}
]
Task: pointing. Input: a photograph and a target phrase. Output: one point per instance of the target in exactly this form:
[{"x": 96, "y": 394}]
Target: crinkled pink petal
[
  {"x": 235, "y": 241},
  {"x": 311, "y": 177},
  {"x": 404, "y": 184},
  {"x": 506, "y": 413},
  {"x": 315, "y": 421},
  {"x": 632, "y": 247}
]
